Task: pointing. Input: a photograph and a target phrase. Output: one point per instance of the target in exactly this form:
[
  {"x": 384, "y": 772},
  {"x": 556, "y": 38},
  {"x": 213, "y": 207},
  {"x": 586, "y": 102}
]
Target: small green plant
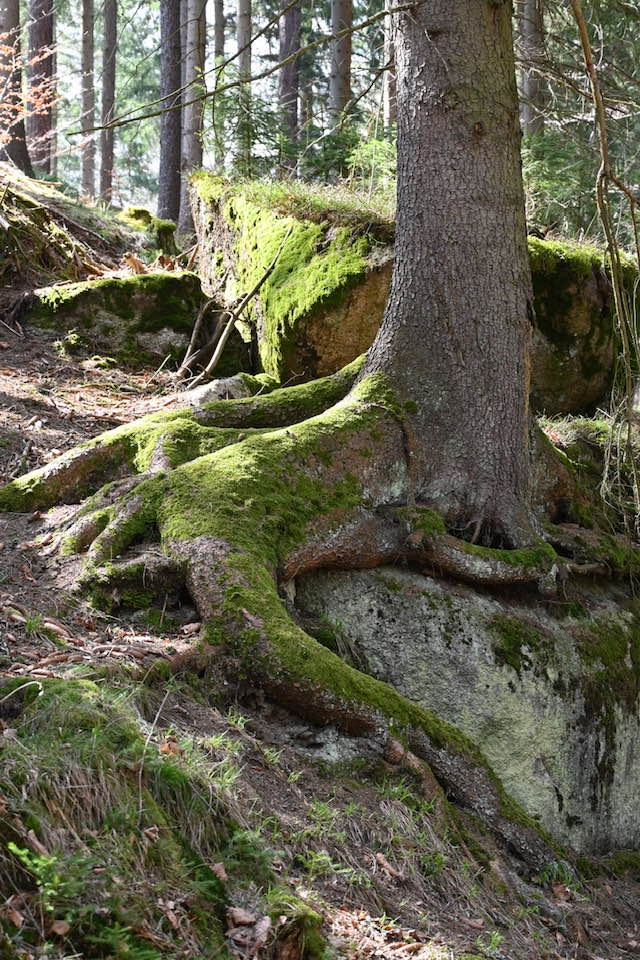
[
  {"x": 489, "y": 943},
  {"x": 272, "y": 755},
  {"x": 556, "y": 872},
  {"x": 236, "y": 719},
  {"x": 60, "y": 879},
  {"x": 294, "y": 776},
  {"x": 432, "y": 863},
  {"x": 70, "y": 345}
]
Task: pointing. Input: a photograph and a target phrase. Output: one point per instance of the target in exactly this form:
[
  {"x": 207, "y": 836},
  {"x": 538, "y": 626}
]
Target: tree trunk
[
  {"x": 244, "y": 129},
  {"x": 455, "y": 337},
  {"x": 13, "y": 141},
  {"x": 109, "y": 59},
  {"x": 170, "y": 123},
  {"x": 533, "y": 87},
  {"x": 192, "y": 112},
  {"x": 218, "y": 56},
  {"x": 41, "y": 83},
  {"x": 288, "y": 86},
  {"x": 389, "y": 105},
  {"x": 340, "y": 79},
  {"x": 87, "y": 121}
]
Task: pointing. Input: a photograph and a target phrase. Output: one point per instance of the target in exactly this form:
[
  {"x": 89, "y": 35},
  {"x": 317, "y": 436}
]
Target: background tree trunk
[
  {"x": 13, "y": 146},
  {"x": 533, "y": 86},
  {"x": 340, "y": 79},
  {"x": 170, "y": 123},
  {"x": 109, "y": 61},
  {"x": 288, "y": 86},
  {"x": 389, "y": 105},
  {"x": 218, "y": 56},
  {"x": 87, "y": 121},
  {"x": 192, "y": 113},
  {"x": 244, "y": 131},
  {"x": 41, "y": 83},
  {"x": 455, "y": 336}
]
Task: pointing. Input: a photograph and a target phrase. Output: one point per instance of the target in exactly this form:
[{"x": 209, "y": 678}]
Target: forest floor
[{"x": 360, "y": 848}]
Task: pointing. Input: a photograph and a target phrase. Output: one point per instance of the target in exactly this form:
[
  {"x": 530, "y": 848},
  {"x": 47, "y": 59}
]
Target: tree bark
[
  {"x": 13, "y": 140},
  {"x": 218, "y": 56},
  {"x": 455, "y": 337},
  {"x": 533, "y": 87},
  {"x": 109, "y": 61},
  {"x": 192, "y": 113},
  {"x": 88, "y": 103},
  {"x": 41, "y": 83},
  {"x": 288, "y": 86},
  {"x": 340, "y": 79},
  {"x": 389, "y": 96},
  {"x": 170, "y": 123},
  {"x": 245, "y": 127}
]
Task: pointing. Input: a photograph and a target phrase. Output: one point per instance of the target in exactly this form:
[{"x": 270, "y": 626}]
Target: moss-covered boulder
[
  {"x": 136, "y": 319},
  {"x": 323, "y": 303},
  {"x": 160, "y": 234},
  {"x": 549, "y": 692}
]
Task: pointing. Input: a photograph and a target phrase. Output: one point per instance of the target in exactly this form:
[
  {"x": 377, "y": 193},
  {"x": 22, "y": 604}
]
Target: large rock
[
  {"x": 136, "y": 319},
  {"x": 549, "y": 695},
  {"x": 323, "y": 304}
]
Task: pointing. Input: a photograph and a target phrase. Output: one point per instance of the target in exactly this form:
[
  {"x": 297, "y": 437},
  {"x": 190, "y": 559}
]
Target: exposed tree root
[
  {"x": 239, "y": 510},
  {"x": 170, "y": 438}
]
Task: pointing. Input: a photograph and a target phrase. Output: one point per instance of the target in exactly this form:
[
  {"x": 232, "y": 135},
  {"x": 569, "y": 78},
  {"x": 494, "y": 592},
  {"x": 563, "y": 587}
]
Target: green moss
[
  {"x": 301, "y": 921},
  {"x": 117, "y": 309},
  {"x": 518, "y": 643},
  {"x": 184, "y": 434},
  {"x": 624, "y": 863},
  {"x": 541, "y": 556},
  {"x": 422, "y": 520}
]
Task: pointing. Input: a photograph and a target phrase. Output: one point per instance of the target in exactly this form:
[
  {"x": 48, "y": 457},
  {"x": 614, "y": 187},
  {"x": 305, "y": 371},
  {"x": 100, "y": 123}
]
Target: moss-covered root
[
  {"x": 162, "y": 441},
  {"x": 232, "y": 520}
]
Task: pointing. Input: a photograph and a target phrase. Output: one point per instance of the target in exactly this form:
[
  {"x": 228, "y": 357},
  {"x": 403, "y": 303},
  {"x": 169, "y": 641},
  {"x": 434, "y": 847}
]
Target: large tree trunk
[
  {"x": 170, "y": 122},
  {"x": 455, "y": 337},
  {"x": 13, "y": 140},
  {"x": 389, "y": 96},
  {"x": 340, "y": 79},
  {"x": 192, "y": 112},
  {"x": 41, "y": 83},
  {"x": 244, "y": 136},
  {"x": 533, "y": 87},
  {"x": 109, "y": 60},
  {"x": 288, "y": 87},
  {"x": 88, "y": 104}
]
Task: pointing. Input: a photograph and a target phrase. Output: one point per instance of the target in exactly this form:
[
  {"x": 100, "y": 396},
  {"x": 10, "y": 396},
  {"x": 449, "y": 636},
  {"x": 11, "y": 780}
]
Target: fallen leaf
[
  {"x": 386, "y": 866},
  {"x": 220, "y": 872},
  {"x": 473, "y": 923},
  {"x": 15, "y": 917},
  {"x": 560, "y": 891},
  {"x": 60, "y": 928},
  {"x": 237, "y": 916}
]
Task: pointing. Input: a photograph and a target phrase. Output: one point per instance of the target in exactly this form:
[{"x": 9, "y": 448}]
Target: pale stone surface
[{"x": 574, "y": 768}]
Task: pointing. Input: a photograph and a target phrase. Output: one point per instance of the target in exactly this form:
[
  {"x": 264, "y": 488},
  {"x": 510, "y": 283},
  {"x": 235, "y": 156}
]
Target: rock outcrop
[{"x": 323, "y": 303}]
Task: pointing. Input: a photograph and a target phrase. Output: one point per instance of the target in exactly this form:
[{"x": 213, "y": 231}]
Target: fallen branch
[{"x": 234, "y": 315}]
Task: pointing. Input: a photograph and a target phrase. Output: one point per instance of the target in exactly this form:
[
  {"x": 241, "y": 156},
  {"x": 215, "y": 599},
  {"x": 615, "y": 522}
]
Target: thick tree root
[
  {"x": 167, "y": 439},
  {"x": 236, "y": 522}
]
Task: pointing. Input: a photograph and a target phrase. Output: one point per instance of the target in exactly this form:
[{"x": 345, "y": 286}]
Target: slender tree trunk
[
  {"x": 216, "y": 115},
  {"x": 533, "y": 86},
  {"x": 288, "y": 86},
  {"x": 340, "y": 79},
  {"x": 455, "y": 336},
  {"x": 109, "y": 60},
  {"x": 41, "y": 83},
  {"x": 88, "y": 104},
  {"x": 192, "y": 113},
  {"x": 389, "y": 106},
  {"x": 245, "y": 126},
  {"x": 170, "y": 123},
  {"x": 13, "y": 140}
]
